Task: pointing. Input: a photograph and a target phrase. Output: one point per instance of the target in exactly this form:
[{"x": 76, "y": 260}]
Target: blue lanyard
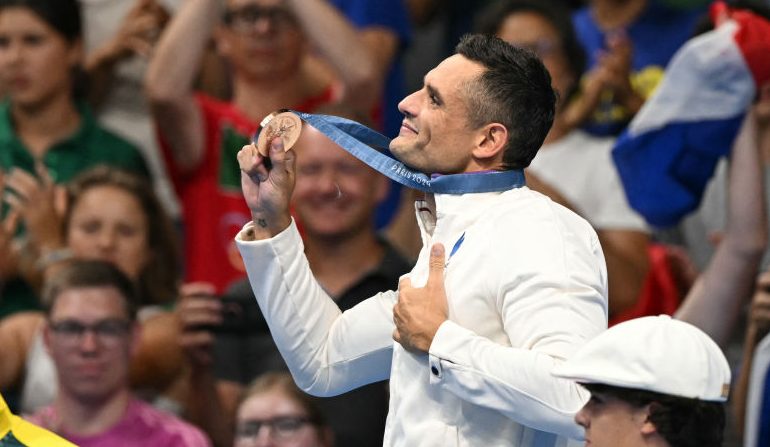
[{"x": 363, "y": 143}]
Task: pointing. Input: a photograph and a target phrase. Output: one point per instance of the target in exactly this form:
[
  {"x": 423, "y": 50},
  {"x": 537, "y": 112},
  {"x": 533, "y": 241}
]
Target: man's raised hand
[{"x": 267, "y": 186}]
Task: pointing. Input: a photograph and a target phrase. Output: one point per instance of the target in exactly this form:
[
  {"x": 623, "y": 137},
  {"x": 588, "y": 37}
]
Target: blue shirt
[{"x": 655, "y": 35}]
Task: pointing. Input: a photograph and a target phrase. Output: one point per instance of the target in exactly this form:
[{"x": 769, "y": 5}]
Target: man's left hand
[{"x": 420, "y": 311}]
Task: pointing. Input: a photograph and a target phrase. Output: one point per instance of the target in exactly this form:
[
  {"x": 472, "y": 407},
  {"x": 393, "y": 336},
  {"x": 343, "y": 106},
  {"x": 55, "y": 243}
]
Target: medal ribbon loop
[{"x": 368, "y": 145}]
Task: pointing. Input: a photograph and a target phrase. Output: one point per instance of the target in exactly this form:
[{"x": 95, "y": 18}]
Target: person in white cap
[{"x": 654, "y": 381}]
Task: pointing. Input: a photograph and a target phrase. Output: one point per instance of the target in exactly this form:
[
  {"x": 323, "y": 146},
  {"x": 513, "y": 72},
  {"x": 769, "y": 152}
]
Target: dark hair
[
  {"x": 491, "y": 19},
  {"x": 61, "y": 15},
  {"x": 681, "y": 421},
  {"x": 158, "y": 280},
  {"x": 514, "y": 90},
  {"x": 82, "y": 274}
]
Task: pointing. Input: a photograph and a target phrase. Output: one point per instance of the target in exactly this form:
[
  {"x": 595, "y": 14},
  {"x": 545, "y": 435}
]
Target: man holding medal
[{"x": 507, "y": 286}]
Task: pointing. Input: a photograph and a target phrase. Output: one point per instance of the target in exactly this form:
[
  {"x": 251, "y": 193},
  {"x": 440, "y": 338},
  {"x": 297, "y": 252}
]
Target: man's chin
[{"x": 398, "y": 149}]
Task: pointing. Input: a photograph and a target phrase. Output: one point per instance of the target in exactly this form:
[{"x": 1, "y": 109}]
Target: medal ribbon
[{"x": 367, "y": 144}]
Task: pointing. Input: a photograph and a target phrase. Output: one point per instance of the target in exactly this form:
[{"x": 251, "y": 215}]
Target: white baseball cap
[{"x": 656, "y": 354}]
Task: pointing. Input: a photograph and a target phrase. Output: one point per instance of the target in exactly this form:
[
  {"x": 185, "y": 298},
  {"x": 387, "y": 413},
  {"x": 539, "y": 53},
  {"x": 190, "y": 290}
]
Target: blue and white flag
[{"x": 670, "y": 149}]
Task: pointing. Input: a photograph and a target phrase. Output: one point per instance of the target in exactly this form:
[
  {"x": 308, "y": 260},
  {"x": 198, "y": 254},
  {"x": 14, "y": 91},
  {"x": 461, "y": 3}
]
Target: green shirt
[{"x": 90, "y": 145}]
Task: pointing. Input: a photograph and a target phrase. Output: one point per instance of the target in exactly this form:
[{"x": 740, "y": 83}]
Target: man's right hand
[{"x": 267, "y": 190}]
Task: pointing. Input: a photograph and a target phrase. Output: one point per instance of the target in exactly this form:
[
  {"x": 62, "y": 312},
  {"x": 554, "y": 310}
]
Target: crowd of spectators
[{"x": 124, "y": 303}]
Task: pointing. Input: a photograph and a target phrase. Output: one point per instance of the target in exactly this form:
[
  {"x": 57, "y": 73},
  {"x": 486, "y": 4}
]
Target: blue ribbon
[{"x": 367, "y": 144}]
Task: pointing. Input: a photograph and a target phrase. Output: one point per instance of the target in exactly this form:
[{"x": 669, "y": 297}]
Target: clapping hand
[
  {"x": 36, "y": 199},
  {"x": 8, "y": 226},
  {"x": 138, "y": 31}
]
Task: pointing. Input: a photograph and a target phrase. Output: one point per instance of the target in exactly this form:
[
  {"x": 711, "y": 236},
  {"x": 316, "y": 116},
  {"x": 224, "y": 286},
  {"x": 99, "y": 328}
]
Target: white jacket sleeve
[
  {"x": 328, "y": 352},
  {"x": 549, "y": 306}
]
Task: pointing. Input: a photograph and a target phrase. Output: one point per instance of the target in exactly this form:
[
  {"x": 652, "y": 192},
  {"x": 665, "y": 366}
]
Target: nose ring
[{"x": 339, "y": 191}]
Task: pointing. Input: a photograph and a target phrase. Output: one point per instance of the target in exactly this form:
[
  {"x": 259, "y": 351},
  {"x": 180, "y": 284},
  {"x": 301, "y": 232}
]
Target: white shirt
[{"x": 525, "y": 289}]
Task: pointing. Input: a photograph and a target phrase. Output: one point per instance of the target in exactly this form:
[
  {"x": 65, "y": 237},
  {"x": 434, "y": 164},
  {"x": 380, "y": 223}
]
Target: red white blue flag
[{"x": 670, "y": 149}]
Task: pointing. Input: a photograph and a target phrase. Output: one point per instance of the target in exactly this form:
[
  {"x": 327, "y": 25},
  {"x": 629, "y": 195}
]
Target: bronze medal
[{"x": 280, "y": 123}]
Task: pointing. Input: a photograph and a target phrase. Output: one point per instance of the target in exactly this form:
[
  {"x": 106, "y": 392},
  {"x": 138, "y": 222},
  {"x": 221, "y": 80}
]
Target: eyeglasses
[
  {"x": 282, "y": 427},
  {"x": 109, "y": 331},
  {"x": 243, "y": 19}
]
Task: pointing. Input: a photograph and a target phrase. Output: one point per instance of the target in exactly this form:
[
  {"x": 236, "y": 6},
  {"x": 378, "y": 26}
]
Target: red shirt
[{"x": 213, "y": 208}]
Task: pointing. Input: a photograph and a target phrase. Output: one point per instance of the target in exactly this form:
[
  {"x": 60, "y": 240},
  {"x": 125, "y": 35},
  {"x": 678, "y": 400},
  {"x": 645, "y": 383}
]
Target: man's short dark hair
[
  {"x": 515, "y": 91},
  {"x": 79, "y": 274},
  {"x": 682, "y": 422}
]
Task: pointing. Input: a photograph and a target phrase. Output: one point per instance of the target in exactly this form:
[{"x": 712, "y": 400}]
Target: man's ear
[
  {"x": 647, "y": 428},
  {"x": 491, "y": 140}
]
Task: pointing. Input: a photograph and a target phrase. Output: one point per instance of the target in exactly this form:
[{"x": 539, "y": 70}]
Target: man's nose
[
  {"x": 264, "y": 437},
  {"x": 328, "y": 184},
  {"x": 264, "y": 25},
  {"x": 408, "y": 105},
  {"x": 106, "y": 239},
  {"x": 582, "y": 418},
  {"x": 88, "y": 341}
]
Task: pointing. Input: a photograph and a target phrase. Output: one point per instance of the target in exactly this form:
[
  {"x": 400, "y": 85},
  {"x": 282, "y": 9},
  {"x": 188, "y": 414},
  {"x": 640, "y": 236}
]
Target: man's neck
[
  {"x": 89, "y": 419},
  {"x": 337, "y": 263},
  {"x": 259, "y": 97},
  {"x": 42, "y": 125}
]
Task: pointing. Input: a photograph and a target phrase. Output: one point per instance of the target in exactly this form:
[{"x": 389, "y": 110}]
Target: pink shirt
[{"x": 142, "y": 424}]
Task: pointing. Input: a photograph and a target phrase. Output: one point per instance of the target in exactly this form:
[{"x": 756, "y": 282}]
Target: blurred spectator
[
  {"x": 274, "y": 412},
  {"x": 758, "y": 326},
  {"x": 112, "y": 216},
  {"x": 42, "y": 121},
  {"x": 334, "y": 199},
  {"x": 362, "y": 42},
  {"x": 716, "y": 299},
  {"x": 91, "y": 335},
  {"x": 758, "y": 318},
  {"x": 572, "y": 167},
  {"x": 118, "y": 38},
  {"x": 265, "y": 47},
  {"x": 628, "y": 45},
  {"x": 382, "y": 27}
]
